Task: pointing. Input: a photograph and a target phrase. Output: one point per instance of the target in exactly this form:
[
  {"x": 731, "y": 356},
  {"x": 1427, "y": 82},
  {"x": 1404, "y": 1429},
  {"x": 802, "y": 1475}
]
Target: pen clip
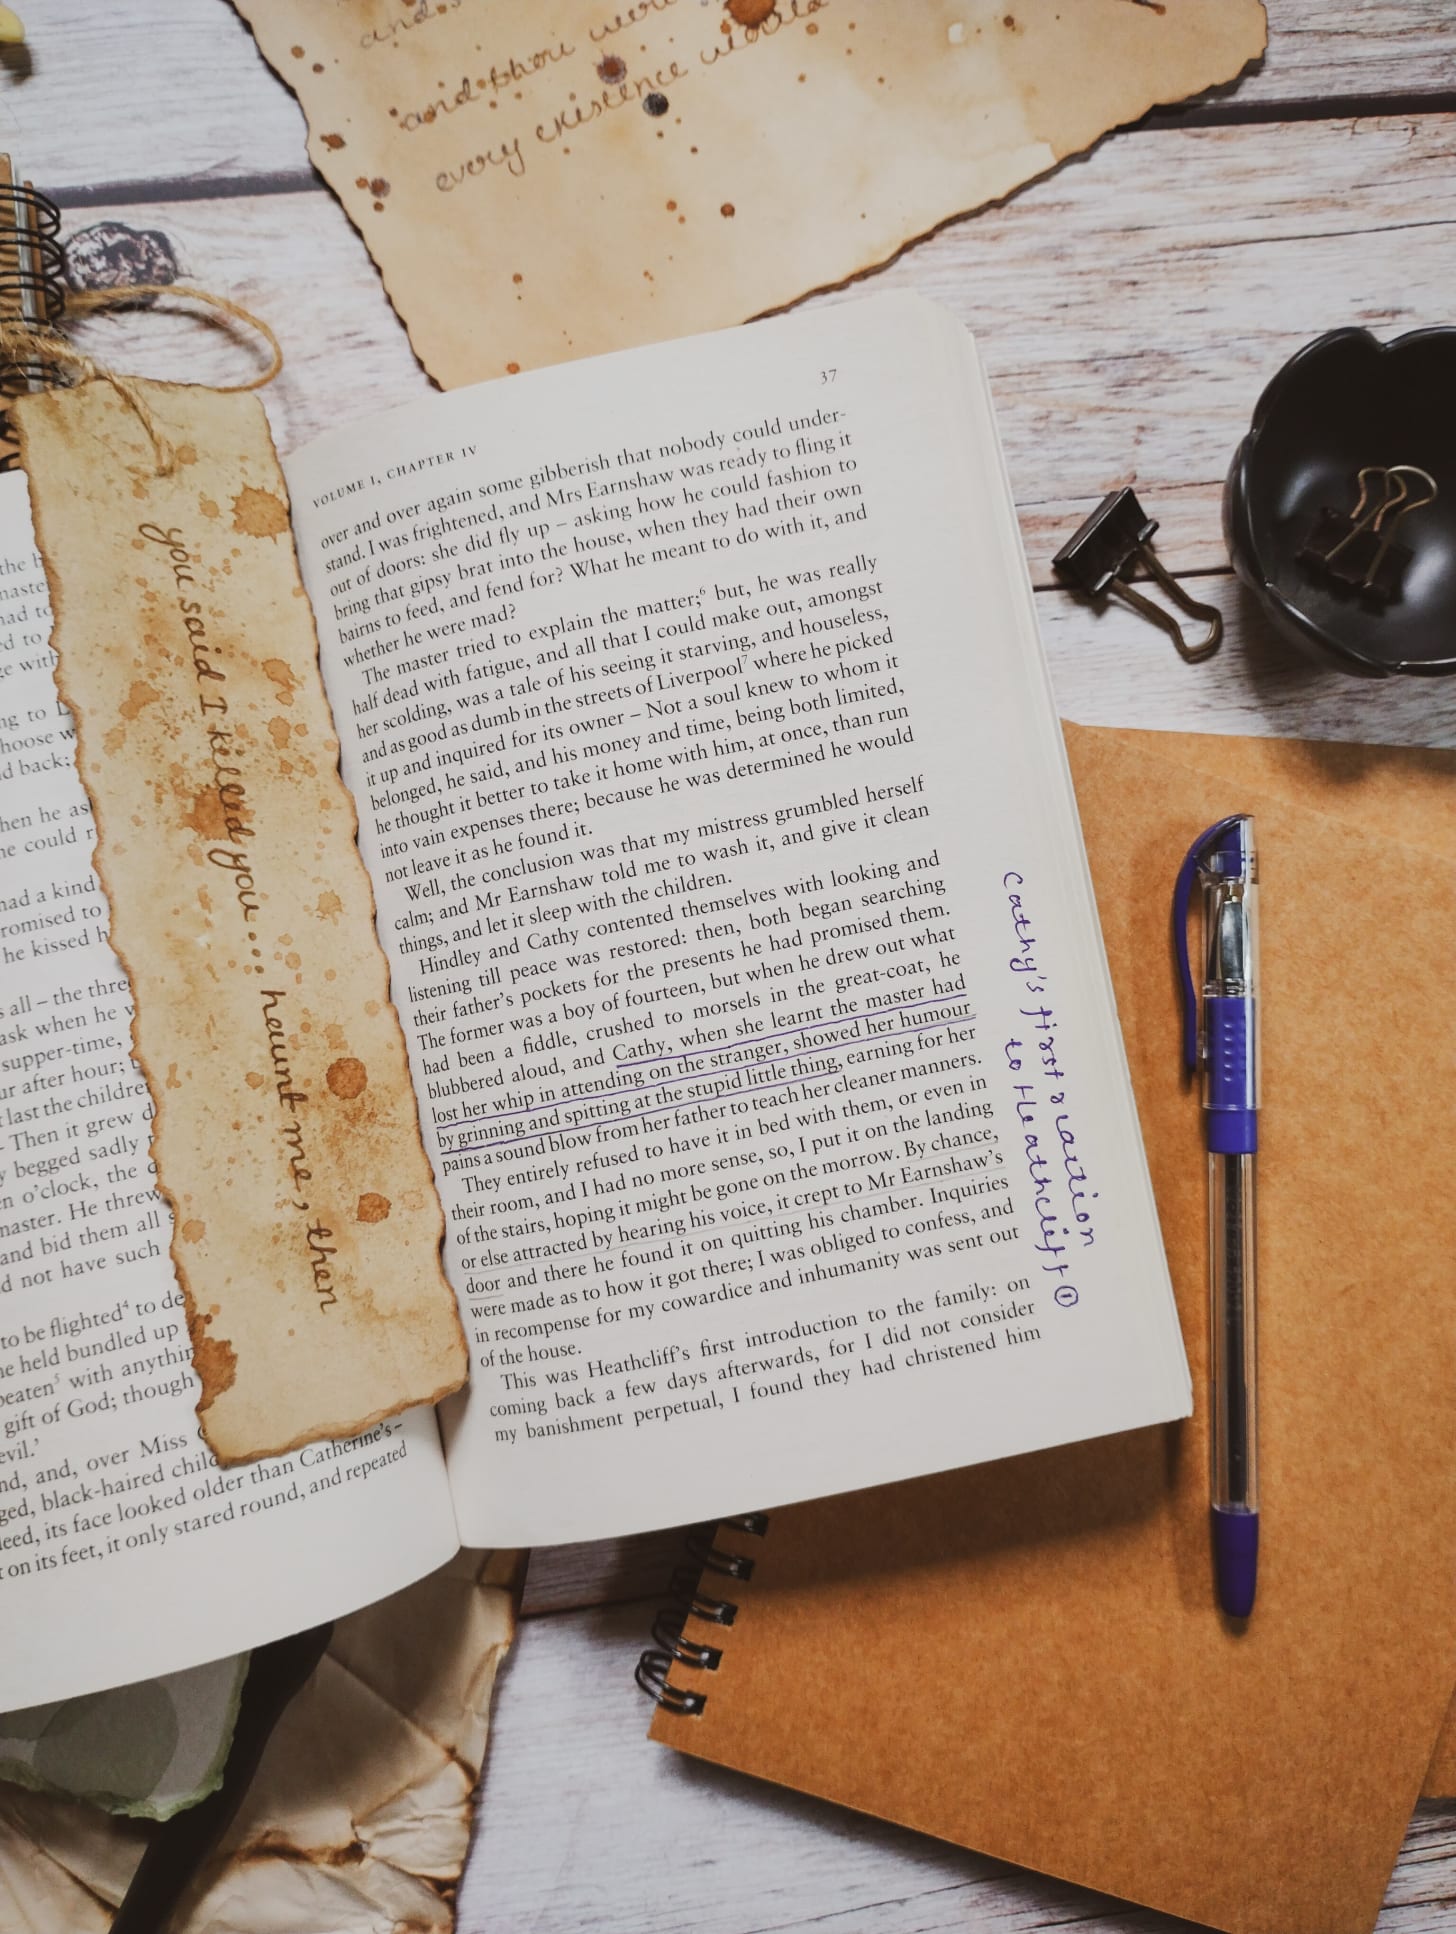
[{"x": 1182, "y": 895}]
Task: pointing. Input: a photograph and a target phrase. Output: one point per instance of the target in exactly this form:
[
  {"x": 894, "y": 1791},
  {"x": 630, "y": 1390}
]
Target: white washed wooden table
[{"x": 1130, "y": 309}]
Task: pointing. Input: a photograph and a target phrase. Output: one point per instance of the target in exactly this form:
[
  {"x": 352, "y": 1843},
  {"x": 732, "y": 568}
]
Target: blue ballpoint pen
[{"x": 1226, "y": 1048}]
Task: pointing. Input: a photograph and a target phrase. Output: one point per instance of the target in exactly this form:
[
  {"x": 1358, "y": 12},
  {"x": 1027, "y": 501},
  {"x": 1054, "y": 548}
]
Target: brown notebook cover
[{"x": 1026, "y": 1658}]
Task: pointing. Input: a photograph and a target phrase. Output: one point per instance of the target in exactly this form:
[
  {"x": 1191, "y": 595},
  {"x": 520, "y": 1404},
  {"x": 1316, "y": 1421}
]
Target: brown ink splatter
[
  {"x": 205, "y": 815},
  {"x": 329, "y": 906},
  {"x": 258, "y": 513},
  {"x": 372, "y": 1208},
  {"x": 209, "y": 507},
  {"x": 752, "y": 13},
  {"x": 193, "y": 1230},
  {"x": 347, "y": 1078},
  {"x": 334, "y": 141},
  {"x": 136, "y": 698},
  {"x": 728, "y": 210},
  {"x": 278, "y": 732},
  {"x": 282, "y": 676},
  {"x": 172, "y": 1081},
  {"x": 612, "y": 70},
  {"x": 255, "y": 1080}
]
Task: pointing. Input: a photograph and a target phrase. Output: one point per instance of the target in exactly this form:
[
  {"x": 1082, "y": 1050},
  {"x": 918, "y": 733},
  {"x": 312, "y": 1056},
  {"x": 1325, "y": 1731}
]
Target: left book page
[{"x": 108, "y": 1497}]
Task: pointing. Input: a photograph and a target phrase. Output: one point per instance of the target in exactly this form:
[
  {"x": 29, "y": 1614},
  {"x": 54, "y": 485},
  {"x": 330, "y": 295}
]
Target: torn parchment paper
[
  {"x": 359, "y": 1815},
  {"x": 286, "y": 1137},
  {"x": 539, "y": 182}
]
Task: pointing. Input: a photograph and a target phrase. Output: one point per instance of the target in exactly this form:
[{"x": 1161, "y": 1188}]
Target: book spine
[{"x": 696, "y": 1597}]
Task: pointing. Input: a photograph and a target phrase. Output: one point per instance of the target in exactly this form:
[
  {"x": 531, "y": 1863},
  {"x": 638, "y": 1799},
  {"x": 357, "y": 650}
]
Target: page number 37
[{"x": 827, "y": 375}]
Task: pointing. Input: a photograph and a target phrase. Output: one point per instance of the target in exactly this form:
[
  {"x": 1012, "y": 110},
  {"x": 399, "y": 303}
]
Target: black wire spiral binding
[
  {"x": 32, "y": 268},
  {"x": 691, "y": 1601}
]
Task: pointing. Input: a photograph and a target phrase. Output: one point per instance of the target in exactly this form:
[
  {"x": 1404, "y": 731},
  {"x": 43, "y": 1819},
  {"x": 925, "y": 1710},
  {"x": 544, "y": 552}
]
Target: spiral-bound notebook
[{"x": 1026, "y": 1658}]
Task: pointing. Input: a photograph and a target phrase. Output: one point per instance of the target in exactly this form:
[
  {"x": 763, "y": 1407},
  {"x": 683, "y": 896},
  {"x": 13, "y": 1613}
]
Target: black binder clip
[
  {"x": 1356, "y": 549},
  {"x": 1097, "y": 561}
]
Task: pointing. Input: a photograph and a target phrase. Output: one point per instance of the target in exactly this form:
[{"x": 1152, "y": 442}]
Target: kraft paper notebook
[{"x": 1026, "y": 1659}]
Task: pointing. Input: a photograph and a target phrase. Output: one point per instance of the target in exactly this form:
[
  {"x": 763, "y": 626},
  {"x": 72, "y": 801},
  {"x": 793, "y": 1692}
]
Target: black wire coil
[
  {"x": 689, "y": 1599},
  {"x": 32, "y": 283}
]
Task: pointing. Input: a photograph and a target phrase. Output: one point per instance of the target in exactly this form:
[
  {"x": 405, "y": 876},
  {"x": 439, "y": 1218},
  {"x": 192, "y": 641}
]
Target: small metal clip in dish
[
  {"x": 1098, "y": 560},
  {"x": 1358, "y": 549},
  {"x": 1376, "y": 563},
  {"x": 1344, "y": 404}
]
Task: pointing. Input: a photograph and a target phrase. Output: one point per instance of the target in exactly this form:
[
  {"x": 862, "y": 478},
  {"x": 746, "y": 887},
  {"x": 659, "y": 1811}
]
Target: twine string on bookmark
[{"x": 63, "y": 362}]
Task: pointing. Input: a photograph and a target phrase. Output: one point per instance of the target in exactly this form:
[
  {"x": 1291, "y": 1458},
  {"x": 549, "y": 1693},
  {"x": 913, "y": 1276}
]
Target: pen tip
[{"x": 1236, "y": 1559}]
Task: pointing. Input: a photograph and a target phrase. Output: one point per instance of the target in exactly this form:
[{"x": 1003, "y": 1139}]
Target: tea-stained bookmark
[{"x": 286, "y": 1137}]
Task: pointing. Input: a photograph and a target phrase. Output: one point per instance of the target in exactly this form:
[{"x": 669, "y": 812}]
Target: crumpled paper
[
  {"x": 543, "y": 181},
  {"x": 146, "y": 1750},
  {"x": 359, "y": 1815}
]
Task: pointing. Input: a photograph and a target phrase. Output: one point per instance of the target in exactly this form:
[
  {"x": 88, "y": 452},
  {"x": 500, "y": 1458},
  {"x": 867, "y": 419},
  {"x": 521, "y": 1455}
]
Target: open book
[{"x": 728, "y": 868}]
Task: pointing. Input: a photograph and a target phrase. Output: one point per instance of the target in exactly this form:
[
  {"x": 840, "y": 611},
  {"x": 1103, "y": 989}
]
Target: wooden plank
[
  {"x": 1113, "y": 668},
  {"x": 170, "y": 90},
  {"x": 297, "y": 262},
  {"x": 199, "y": 105},
  {"x": 609, "y": 1571},
  {"x": 1352, "y": 49},
  {"x": 587, "y": 1826},
  {"x": 1130, "y": 308}
]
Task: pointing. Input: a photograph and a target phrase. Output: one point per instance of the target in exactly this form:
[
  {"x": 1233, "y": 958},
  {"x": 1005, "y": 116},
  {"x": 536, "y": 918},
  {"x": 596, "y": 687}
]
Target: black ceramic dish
[{"x": 1345, "y": 401}]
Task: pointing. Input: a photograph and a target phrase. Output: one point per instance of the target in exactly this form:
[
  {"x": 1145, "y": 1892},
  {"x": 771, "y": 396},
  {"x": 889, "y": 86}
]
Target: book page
[
  {"x": 125, "y": 1550},
  {"x": 727, "y": 862}
]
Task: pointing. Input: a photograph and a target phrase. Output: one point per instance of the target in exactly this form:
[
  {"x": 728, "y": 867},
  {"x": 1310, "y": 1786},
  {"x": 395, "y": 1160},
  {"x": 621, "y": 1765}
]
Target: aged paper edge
[{"x": 196, "y": 1331}]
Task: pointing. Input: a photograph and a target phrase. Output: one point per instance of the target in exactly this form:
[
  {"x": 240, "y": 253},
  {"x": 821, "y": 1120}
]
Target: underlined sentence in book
[{"x": 671, "y": 933}]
